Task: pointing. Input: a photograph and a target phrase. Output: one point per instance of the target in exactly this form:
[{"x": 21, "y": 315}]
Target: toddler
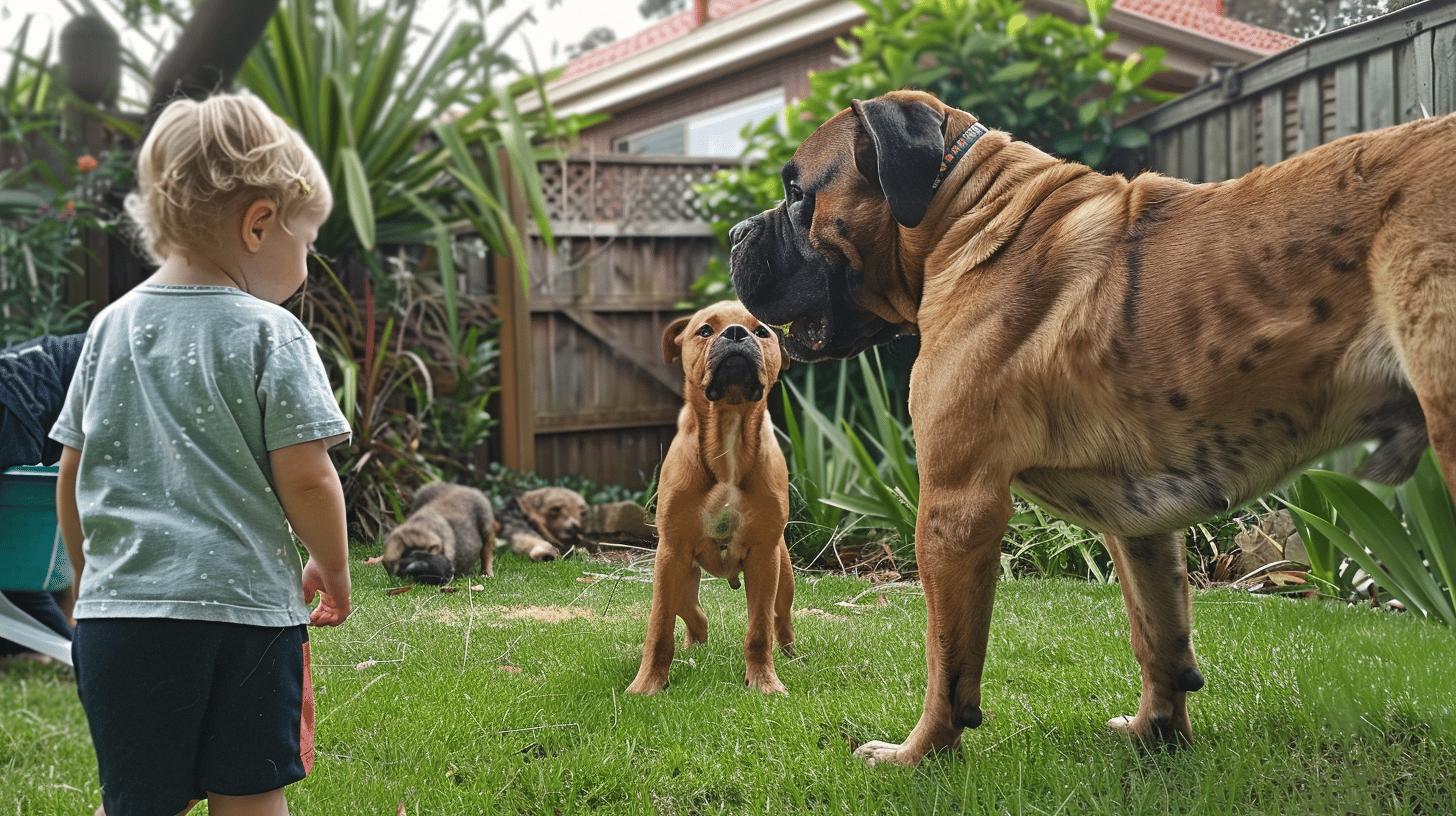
[{"x": 196, "y": 432}]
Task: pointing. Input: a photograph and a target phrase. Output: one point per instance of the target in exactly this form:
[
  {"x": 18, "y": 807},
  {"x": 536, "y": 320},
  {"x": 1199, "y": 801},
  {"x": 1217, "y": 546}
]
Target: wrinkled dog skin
[
  {"x": 723, "y": 495},
  {"x": 450, "y": 530},
  {"x": 1138, "y": 355}
]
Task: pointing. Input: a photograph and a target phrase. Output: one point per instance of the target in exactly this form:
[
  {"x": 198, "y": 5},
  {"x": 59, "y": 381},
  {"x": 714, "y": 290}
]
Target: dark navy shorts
[{"x": 181, "y": 708}]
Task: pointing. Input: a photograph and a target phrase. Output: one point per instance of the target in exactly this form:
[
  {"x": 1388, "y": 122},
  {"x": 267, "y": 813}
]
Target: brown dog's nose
[{"x": 736, "y": 333}]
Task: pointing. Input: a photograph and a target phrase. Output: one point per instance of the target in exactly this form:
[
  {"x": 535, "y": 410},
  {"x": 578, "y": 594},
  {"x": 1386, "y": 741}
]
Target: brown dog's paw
[
  {"x": 647, "y": 685},
  {"x": 766, "y": 682},
  {"x": 886, "y": 753},
  {"x": 1156, "y": 731}
]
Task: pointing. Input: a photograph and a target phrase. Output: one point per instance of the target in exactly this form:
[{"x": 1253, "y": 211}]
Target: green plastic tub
[{"x": 32, "y": 555}]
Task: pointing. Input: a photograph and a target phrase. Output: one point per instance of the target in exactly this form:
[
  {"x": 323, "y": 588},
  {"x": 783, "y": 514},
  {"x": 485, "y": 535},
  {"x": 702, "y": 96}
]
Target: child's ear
[{"x": 259, "y": 216}]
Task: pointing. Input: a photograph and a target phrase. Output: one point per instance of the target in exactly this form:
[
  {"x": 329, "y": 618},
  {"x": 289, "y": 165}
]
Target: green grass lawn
[{"x": 477, "y": 704}]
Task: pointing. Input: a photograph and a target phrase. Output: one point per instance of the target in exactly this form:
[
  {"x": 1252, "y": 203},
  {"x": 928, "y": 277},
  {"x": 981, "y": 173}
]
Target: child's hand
[{"x": 333, "y": 608}]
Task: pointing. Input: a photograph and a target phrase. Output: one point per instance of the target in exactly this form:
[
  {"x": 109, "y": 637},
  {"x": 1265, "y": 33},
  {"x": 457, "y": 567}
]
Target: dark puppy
[{"x": 450, "y": 529}]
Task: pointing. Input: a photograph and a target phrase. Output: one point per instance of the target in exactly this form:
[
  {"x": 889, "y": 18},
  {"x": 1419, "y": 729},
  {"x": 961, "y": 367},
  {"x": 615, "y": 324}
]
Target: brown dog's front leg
[
  {"x": 958, "y": 550},
  {"x": 761, "y": 574},
  {"x": 670, "y": 575}
]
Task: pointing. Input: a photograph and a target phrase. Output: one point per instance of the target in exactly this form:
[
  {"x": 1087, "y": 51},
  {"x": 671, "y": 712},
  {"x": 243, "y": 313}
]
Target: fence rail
[{"x": 1390, "y": 70}]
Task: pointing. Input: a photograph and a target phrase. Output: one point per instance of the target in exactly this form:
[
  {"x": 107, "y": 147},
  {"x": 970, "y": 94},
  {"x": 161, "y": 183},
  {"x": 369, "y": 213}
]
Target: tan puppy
[
  {"x": 450, "y": 529},
  {"x": 723, "y": 494},
  {"x": 1138, "y": 355},
  {"x": 544, "y": 524}
]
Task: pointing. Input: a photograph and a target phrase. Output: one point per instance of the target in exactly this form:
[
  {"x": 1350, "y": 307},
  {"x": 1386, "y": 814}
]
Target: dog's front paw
[
  {"x": 1152, "y": 731},
  {"x": 647, "y": 685},
  {"x": 886, "y": 753},
  {"x": 766, "y": 682}
]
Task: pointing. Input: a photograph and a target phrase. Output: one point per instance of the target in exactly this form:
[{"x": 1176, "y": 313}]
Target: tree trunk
[{"x": 210, "y": 51}]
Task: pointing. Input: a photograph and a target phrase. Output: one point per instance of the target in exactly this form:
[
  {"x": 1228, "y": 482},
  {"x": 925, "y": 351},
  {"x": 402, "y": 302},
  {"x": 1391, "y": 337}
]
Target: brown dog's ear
[
  {"x": 672, "y": 338},
  {"x": 899, "y": 149}
]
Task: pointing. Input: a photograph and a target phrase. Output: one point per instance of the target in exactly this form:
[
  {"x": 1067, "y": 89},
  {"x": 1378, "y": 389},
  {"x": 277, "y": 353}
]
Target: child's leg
[
  {"x": 258, "y": 736},
  {"x": 271, "y": 803},
  {"x": 145, "y": 686}
]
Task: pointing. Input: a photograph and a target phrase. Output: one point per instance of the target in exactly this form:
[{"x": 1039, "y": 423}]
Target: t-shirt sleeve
[
  {"x": 68, "y": 427},
  {"x": 297, "y": 402}
]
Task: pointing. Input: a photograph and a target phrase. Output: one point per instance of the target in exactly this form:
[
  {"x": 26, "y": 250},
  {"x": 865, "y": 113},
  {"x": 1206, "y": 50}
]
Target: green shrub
[{"x": 1409, "y": 550}]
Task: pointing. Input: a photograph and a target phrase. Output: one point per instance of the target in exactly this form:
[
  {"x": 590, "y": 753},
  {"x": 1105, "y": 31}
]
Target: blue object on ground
[{"x": 32, "y": 555}]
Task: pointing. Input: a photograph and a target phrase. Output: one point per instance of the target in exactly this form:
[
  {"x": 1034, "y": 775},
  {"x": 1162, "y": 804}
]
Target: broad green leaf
[{"x": 356, "y": 194}]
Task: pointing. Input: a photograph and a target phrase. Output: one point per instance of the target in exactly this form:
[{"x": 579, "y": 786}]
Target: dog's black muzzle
[
  {"x": 426, "y": 568},
  {"x": 734, "y": 363}
]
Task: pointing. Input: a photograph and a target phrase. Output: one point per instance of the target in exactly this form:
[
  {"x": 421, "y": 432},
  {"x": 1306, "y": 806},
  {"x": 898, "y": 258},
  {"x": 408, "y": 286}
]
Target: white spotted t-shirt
[{"x": 179, "y": 395}]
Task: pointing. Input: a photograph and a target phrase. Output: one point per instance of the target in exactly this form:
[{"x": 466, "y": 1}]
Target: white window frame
[{"x": 777, "y": 94}]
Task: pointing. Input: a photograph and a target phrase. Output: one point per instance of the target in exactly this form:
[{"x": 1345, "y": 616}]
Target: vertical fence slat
[
  {"x": 1241, "y": 139},
  {"x": 1172, "y": 152},
  {"x": 1308, "y": 134},
  {"x": 1378, "y": 94},
  {"x": 1271, "y": 134},
  {"x": 1190, "y": 152},
  {"x": 1443, "y": 59},
  {"x": 1425, "y": 88},
  {"x": 1347, "y": 98},
  {"x": 1216, "y": 146}
]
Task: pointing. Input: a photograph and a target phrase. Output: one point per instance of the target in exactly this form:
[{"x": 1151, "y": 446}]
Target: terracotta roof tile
[
  {"x": 652, "y": 36},
  {"x": 1202, "y": 17},
  {"x": 1205, "y": 17}
]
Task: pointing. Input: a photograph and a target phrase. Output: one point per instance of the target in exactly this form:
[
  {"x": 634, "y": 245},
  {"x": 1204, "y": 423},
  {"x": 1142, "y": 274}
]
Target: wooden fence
[
  {"x": 583, "y": 388},
  {"x": 1383, "y": 72}
]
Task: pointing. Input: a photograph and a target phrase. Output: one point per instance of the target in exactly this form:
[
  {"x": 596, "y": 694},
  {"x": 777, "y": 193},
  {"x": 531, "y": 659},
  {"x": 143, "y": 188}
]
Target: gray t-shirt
[{"x": 180, "y": 393}]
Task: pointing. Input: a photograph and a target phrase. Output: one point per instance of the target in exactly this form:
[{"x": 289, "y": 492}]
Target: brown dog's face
[
  {"x": 560, "y": 511},
  {"x": 821, "y": 267},
  {"x": 727, "y": 353}
]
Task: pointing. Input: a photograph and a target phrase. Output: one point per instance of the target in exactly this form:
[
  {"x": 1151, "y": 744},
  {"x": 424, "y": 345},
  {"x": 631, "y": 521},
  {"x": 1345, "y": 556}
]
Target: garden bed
[{"x": 509, "y": 700}]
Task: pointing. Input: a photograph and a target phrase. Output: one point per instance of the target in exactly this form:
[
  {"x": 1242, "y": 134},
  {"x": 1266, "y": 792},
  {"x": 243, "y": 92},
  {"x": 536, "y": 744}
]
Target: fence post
[{"x": 518, "y": 434}]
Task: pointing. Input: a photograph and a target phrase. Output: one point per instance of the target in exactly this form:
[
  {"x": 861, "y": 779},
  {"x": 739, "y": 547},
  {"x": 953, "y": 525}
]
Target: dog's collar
[{"x": 960, "y": 147}]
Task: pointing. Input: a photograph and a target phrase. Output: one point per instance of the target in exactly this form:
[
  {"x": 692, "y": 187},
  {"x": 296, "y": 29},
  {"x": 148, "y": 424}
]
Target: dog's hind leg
[
  {"x": 691, "y": 611},
  {"x": 1153, "y": 572},
  {"x": 958, "y": 550},
  {"x": 784, "y": 601},
  {"x": 1413, "y": 276}
]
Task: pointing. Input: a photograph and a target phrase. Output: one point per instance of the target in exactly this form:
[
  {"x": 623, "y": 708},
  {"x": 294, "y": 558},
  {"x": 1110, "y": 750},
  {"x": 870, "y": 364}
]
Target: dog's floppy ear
[
  {"x": 672, "y": 338},
  {"x": 898, "y": 149}
]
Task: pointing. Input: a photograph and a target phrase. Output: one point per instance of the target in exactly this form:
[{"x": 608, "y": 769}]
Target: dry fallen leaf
[
  {"x": 882, "y": 601},
  {"x": 378, "y": 559},
  {"x": 449, "y": 589},
  {"x": 477, "y": 588},
  {"x": 399, "y": 590},
  {"x": 366, "y": 664},
  {"x": 586, "y": 579},
  {"x": 510, "y": 669},
  {"x": 400, "y": 811}
]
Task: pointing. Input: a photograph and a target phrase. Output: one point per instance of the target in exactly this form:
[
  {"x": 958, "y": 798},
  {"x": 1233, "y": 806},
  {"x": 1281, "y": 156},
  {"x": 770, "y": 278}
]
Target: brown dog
[
  {"x": 1136, "y": 354},
  {"x": 450, "y": 529},
  {"x": 723, "y": 494},
  {"x": 544, "y": 524}
]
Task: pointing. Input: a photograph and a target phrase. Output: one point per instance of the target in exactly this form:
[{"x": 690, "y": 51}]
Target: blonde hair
[{"x": 204, "y": 161}]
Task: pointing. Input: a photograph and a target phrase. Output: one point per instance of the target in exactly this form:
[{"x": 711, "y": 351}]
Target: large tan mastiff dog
[
  {"x": 723, "y": 495},
  {"x": 1136, "y": 354}
]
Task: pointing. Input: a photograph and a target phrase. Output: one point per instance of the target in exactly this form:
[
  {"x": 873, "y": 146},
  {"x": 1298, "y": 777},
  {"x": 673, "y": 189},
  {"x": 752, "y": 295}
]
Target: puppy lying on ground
[
  {"x": 723, "y": 497},
  {"x": 449, "y": 531},
  {"x": 544, "y": 524}
]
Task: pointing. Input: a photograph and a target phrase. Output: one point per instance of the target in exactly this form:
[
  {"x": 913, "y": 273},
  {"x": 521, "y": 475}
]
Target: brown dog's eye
[
  {"x": 761, "y": 331},
  {"x": 705, "y": 331}
]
